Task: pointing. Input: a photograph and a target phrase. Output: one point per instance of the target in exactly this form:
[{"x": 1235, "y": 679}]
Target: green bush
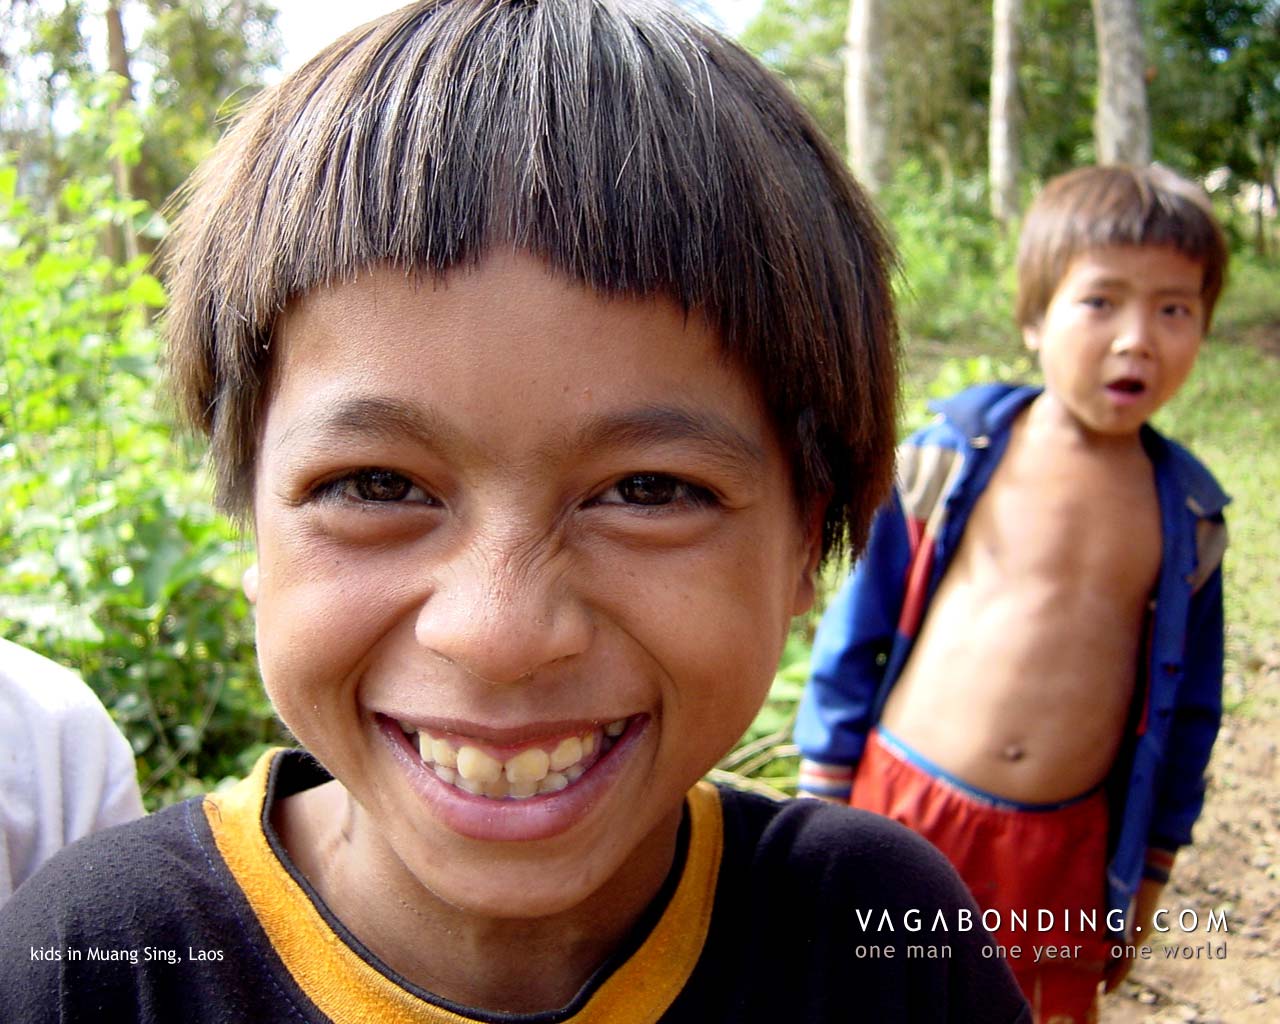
[
  {"x": 111, "y": 559},
  {"x": 957, "y": 262}
]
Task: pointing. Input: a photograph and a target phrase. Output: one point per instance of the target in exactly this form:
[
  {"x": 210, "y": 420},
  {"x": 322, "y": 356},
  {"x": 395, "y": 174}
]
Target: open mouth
[
  {"x": 544, "y": 768},
  {"x": 1127, "y": 386}
]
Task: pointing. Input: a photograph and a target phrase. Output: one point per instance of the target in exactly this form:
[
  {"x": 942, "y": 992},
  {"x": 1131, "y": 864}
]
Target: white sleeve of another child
[{"x": 65, "y": 769}]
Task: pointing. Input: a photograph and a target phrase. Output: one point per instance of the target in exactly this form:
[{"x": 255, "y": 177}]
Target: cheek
[
  {"x": 317, "y": 622},
  {"x": 718, "y": 632},
  {"x": 1186, "y": 361}
]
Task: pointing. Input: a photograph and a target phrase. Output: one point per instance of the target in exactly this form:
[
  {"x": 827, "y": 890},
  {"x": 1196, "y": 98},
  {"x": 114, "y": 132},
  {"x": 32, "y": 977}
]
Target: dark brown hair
[
  {"x": 1095, "y": 207},
  {"x": 631, "y": 147}
]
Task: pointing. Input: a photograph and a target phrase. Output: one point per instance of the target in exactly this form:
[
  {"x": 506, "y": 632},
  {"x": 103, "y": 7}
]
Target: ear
[
  {"x": 812, "y": 519},
  {"x": 1031, "y": 337},
  {"x": 249, "y": 583}
]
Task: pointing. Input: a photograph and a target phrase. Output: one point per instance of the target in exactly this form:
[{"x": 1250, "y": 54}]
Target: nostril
[{"x": 501, "y": 642}]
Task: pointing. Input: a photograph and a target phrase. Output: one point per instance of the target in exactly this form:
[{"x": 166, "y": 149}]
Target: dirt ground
[{"x": 1230, "y": 975}]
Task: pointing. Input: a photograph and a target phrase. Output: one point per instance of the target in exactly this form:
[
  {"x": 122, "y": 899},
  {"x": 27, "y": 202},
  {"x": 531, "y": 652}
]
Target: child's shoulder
[
  {"x": 140, "y": 871},
  {"x": 974, "y": 413},
  {"x": 879, "y": 910},
  {"x": 139, "y": 922},
  {"x": 811, "y": 847},
  {"x": 1204, "y": 494},
  {"x": 929, "y": 460}
]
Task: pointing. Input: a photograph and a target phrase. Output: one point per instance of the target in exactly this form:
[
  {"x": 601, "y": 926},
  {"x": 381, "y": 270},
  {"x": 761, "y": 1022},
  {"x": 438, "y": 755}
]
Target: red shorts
[{"x": 1037, "y": 872}]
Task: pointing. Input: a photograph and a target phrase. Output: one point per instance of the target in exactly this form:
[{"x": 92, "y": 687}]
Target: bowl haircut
[
  {"x": 1097, "y": 207},
  {"x": 625, "y": 144}
]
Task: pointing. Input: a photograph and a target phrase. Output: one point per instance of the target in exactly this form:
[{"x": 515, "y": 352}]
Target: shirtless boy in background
[{"x": 1026, "y": 664}]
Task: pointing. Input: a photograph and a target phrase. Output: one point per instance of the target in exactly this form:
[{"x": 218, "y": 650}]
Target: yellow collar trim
[{"x": 345, "y": 987}]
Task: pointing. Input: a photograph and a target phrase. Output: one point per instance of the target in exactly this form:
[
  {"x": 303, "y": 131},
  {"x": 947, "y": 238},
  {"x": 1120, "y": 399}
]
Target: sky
[{"x": 308, "y": 25}]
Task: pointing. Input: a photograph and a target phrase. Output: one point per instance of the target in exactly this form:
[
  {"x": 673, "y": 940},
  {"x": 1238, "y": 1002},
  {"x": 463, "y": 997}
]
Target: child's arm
[
  {"x": 1196, "y": 715},
  {"x": 1180, "y": 795},
  {"x": 850, "y": 651},
  {"x": 1144, "y": 911}
]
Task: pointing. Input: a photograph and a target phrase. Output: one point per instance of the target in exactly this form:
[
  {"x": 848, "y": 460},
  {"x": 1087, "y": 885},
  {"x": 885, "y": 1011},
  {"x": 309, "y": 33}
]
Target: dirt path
[{"x": 1233, "y": 975}]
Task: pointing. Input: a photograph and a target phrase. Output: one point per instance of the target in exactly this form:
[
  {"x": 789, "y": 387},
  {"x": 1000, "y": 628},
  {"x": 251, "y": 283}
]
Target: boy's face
[
  {"x": 553, "y": 532},
  {"x": 1120, "y": 334}
]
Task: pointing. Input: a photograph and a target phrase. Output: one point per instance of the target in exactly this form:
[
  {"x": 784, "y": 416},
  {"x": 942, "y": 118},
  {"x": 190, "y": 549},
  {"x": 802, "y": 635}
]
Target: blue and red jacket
[{"x": 866, "y": 635}]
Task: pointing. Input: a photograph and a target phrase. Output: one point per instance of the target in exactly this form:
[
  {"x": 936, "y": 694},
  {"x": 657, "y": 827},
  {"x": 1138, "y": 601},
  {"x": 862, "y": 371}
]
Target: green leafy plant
[{"x": 111, "y": 559}]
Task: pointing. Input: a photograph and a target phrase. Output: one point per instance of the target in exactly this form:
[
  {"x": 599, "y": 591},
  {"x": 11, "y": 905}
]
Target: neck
[{"x": 1048, "y": 423}]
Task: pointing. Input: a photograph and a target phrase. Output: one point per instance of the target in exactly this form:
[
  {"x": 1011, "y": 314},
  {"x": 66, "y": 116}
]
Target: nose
[
  {"x": 1135, "y": 334},
  {"x": 502, "y": 615}
]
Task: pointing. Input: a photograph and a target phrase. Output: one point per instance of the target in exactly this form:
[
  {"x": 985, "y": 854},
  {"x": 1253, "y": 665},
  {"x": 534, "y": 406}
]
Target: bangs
[
  {"x": 628, "y": 146},
  {"x": 1098, "y": 207}
]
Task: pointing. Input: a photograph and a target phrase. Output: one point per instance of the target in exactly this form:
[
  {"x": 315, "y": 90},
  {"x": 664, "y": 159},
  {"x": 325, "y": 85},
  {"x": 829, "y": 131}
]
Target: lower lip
[
  {"x": 1121, "y": 397},
  {"x": 538, "y": 817}
]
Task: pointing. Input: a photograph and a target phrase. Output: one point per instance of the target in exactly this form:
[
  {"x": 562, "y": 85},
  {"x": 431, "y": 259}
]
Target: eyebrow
[
  {"x": 375, "y": 418},
  {"x": 388, "y": 420},
  {"x": 1121, "y": 282},
  {"x": 665, "y": 424}
]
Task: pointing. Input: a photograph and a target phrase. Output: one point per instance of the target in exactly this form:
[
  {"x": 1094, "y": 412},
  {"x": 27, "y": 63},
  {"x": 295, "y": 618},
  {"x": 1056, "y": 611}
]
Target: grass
[{"x": 1228, "y": 414}]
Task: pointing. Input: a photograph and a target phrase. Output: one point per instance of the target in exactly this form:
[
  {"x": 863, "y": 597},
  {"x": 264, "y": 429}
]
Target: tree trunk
[
  {"x": 118, "y": 62},
  {"x": 865, "y": 94},
  {"x": 1268, "y": 204},
  {"x": 1002, "y": 140},
  {"x": 1122, "y": 124}
]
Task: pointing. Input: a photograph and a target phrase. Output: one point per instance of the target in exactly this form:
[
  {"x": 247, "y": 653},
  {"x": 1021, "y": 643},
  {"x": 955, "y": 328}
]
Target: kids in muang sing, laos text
[
  {"x": 1026, "y": 663},
  {"x": 547, "y": 349}
]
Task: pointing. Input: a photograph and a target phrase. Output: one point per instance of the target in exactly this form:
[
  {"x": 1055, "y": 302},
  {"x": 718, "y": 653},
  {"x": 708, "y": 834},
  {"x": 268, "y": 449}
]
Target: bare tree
[
  {"x": 1122, "y": 123},
  {"x": 1002, "y": 144},
  {"x": 118, "y": 62},
  {"x": 865, "y": 94}
]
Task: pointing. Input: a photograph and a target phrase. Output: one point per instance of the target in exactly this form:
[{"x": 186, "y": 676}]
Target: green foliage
[
  {"x": 1057, "y": 84},
  {"x": 803, "y": 40},
  {"x": 937, "y": 98},
  {"x": 1216, "y": 85},
  {"x": 955, "y": 257},
  {"x": 111, "y": 560},
  {"x": 208, "y": 58},
  {"x": 196, "y": 61},
  {"x": 1214, "y": 81},
  {"x": 938, "y": 65},
  {"x": 1228, "y": 415}
]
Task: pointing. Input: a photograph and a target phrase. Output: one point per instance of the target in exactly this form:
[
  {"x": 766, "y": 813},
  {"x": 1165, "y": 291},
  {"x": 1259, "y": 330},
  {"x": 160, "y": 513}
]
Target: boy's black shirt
[{"x": 819, "y": 914}]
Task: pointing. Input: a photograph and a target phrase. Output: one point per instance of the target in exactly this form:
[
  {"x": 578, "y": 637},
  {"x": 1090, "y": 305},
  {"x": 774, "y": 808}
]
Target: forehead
[
  {"x": 1153, "y": 267},
  {"x": 501, "y": 353}
]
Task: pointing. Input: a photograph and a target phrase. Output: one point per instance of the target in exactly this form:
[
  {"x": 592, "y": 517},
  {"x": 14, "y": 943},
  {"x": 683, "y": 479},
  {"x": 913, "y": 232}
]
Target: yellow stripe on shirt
[{"x": 350, "y": 990}]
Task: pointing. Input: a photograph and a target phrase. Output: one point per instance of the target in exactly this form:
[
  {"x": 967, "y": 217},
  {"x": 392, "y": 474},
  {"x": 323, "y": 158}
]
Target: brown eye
[
  {"x": 658, "y": 492},
  {"x": 380, "y": 485},
  {"x": 649, "y": 489}
]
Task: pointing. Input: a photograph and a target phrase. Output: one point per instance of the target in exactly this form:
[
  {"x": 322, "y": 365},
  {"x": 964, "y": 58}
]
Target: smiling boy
[
  {"x": 548, "y": 349},
  {"x": 1026, "y": 665},
  {"x": 514, "y": 650}
]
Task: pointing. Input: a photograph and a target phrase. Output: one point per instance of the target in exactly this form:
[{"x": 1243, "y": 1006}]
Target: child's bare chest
[
  {"x": 1023, "y": 671},
  {"x": 1078, "y": 523}
]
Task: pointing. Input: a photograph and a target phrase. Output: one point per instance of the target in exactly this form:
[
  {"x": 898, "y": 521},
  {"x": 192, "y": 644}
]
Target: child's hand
[
  {"x": 1117, "y": 970},
  {"x": 1144, "y": 909}
]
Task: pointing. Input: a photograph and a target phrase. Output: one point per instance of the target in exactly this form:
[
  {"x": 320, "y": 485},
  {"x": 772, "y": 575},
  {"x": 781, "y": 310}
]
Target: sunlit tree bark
[
  {"x": 1122, "y": 122},
  {"x": 1003, "y": 137},
  {"x": 865, "y": 94},
  {"x": 118, "y": 62}
]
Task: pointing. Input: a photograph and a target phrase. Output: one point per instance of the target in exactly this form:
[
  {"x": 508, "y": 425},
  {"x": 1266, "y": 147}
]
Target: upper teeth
[{"x": 533, "y": 770}]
